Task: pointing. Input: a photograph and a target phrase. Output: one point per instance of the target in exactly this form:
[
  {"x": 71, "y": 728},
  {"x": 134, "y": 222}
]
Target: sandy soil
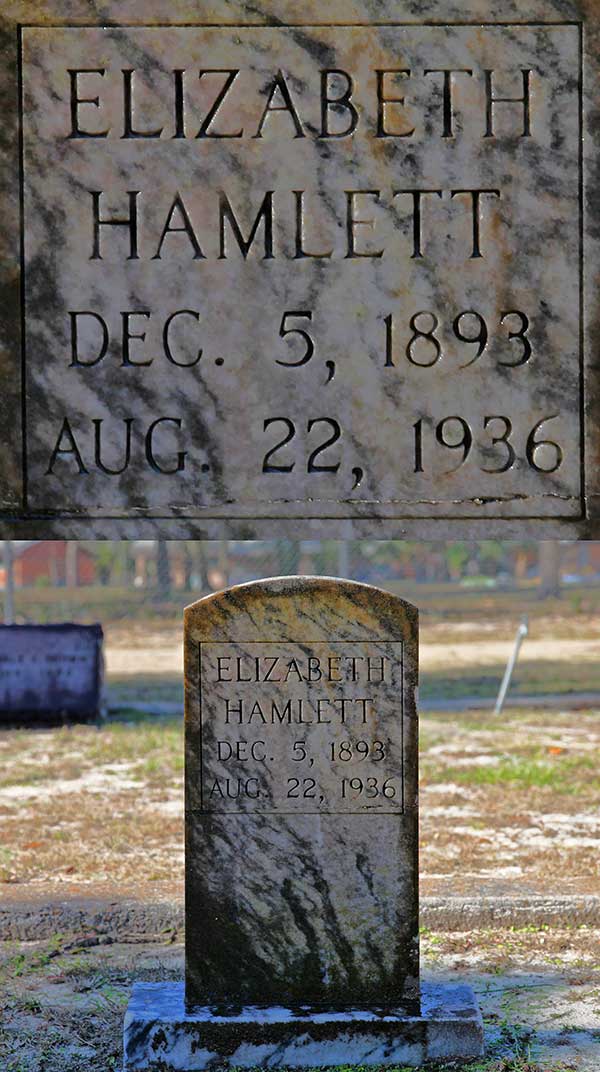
[
  {"x": 64, "y": 1001},
  {"x": 506, "y": 808}
]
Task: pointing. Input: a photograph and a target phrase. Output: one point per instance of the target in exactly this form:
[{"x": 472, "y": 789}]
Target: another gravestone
[
  {"x": 301, "y": 266},
  {"x": 301, "y": 841},
  {"x": 50, "y": 672}
]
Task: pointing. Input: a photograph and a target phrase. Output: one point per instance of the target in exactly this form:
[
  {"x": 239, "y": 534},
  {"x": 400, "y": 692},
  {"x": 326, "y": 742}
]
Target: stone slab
[
  {"x": 158, "y": 1031},
  {"x": 415, "y": 404},
  {"x": 301, "y": 794},
  {"x": 49, "y": 672}
]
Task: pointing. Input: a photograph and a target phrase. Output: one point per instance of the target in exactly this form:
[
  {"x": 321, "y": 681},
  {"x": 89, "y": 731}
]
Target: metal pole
[
  {"x": 9, "y": 584},
  {"x": 522, "y": 632}
]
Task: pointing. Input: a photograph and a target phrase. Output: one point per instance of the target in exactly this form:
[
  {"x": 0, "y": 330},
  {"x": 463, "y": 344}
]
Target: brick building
[{"x": 51, "y": 561}]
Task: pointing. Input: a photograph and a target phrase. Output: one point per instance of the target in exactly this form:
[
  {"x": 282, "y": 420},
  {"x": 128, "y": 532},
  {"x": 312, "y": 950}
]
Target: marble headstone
[
  {"x": 322, "y": 269},
  {"x": 49, "y": 672},
  {"x": 301, "y": 840}
]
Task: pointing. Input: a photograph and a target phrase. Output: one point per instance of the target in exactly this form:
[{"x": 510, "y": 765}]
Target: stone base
[{"x": 159, "y": 1033}]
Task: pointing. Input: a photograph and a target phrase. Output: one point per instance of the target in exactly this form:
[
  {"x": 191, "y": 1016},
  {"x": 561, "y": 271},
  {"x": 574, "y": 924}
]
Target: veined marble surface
[
  {"x": 378, "y": 443},
  {"x": 158, "y": 1029},
  {"x": 301, "y": 856}
]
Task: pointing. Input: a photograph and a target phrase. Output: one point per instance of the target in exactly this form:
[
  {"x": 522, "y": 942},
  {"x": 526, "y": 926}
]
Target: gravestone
[
  {"x": 301, "y": 841},
  {"x": 50, "y": 672},
  {"x": 301, "y": 267}
]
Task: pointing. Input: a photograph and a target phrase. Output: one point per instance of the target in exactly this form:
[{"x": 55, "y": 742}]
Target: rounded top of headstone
[
  {"x": 301, "y": 607},
  {"x": 295, "y": 584}
]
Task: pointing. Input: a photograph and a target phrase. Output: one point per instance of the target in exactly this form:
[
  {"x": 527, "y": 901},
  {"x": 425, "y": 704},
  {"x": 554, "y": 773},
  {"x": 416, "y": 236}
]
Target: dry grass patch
[
  {"x": 508, "y": 805},
  {"x": 88, "y": 804}
]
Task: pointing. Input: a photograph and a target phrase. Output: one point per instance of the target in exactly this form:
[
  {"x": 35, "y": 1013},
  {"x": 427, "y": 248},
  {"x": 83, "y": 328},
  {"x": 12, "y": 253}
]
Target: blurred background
[
  {"x": 472, "y": 596},
  {"x": 91, "y": 811},
  {"x": 62, "y": 577}
]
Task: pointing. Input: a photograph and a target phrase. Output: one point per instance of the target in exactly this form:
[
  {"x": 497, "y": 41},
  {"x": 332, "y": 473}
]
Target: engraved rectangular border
[
  {"x": 356, "y": 511},
  {"x": 317, "y": 811}
]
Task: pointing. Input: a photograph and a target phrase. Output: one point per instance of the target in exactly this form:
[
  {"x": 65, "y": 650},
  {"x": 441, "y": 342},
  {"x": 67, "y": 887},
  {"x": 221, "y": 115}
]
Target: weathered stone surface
[
  {"x": 407, "y": 335},
  {"x": 50, "y": 672},
  {"x": 301, "y": 870},
  {"x": 301, "y": 943},
  {"x": 159, "y": 1030}
]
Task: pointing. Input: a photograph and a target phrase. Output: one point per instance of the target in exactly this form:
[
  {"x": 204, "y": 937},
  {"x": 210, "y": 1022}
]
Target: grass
[
  {"x": 531, "y": 678},
  {"x": 64, "y": 1004},
  {"x": 449, "y": 614},
  {"x": 144, "y": 688},
  {"x": 480, "y": 681},
  {"x": 544, "y": 762},
  {"x": 105, "y": 803},
  {"x": 31, "y": 757},
  {"x": 438, "y": 603},
  {"x": 563, "y": 774},
  {"x": 99, "y": 814}
]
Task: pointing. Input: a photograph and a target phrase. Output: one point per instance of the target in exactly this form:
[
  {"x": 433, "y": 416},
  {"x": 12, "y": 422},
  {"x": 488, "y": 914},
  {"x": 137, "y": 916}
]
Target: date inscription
[
  {"x": 302, "y": 727},
  {"x": 334, "y": 275}
]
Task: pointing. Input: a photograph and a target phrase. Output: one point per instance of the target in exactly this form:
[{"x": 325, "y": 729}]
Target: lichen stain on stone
[{"x": 159, "y": 1040}]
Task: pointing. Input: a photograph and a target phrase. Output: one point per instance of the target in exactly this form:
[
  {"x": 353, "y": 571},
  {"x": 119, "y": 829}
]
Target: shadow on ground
[{"x": 64, "y": 1001}]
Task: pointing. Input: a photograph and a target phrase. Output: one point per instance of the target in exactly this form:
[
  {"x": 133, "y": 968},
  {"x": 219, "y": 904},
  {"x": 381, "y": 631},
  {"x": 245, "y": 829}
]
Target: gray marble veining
[
  {"x": 301, "y": 810},
  {"x": 336, "y": 271},
  {"x": 159, "y": 1029},
  {"x": 302, "y": 942}
]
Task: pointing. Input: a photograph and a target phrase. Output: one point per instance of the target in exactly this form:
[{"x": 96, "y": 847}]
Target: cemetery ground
[{"x": 91, "y": 856}]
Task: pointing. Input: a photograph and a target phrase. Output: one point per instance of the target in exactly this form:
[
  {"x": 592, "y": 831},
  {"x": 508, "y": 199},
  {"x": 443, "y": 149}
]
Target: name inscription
[
  {"x": 314, "y": 727},
  {"x": 331, "y": 238}
]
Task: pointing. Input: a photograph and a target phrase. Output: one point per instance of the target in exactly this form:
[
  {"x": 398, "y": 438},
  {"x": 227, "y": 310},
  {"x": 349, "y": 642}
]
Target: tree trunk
[
  {"x": 71, "y": 572},
  {"x": 188, "y": 567},
  {"x": 288, "y": 556},
  {"x": 127, "y": 564},
  {"x": 223, "y": 565},
  {"x": 343, "y": 558},
  {"x": 549, "y": 560},
  {"x": 202, "y": 565},
  {"x": 9, "y": 584},
  {"x": 163, "y": 576}
]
